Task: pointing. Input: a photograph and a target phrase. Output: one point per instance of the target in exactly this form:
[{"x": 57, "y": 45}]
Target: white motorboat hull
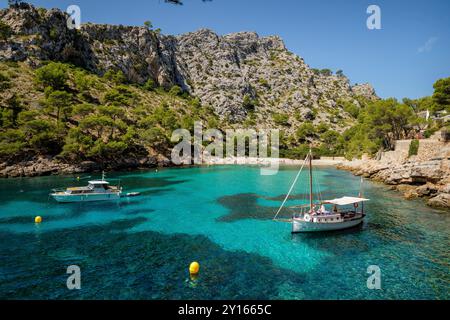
[
  {"x": 67, "y": 198},
  {"x": 299, "y": 225}
]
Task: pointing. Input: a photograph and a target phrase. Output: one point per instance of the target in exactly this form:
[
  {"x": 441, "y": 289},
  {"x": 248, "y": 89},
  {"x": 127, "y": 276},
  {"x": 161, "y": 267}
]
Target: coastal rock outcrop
[
  {"x": 428, "y": 179},
  {"x": 44, "y": 166},
  {"x": 441, "y": 200}
]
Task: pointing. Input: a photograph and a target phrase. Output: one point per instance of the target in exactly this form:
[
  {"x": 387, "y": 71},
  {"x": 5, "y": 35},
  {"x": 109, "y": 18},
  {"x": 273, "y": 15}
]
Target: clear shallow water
[{"x": 140, "y": 248}]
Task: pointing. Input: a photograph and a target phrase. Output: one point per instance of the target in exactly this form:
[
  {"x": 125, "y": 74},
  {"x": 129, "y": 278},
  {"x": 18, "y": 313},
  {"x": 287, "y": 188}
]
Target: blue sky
[{"x": 403, "y": 59}]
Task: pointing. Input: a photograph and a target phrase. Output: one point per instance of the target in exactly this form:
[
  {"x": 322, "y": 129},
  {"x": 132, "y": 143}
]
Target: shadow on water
[
  {"x": 146, "y": 265},
  {"x": 280, "y": 198},
  {"x": 75, "y": 210},
  {"x": 245, "y": 206},
  {"x": 37, "y": 189},
  {"x": 337, "y": 241},
  {"x": 138, "y": 211},
  {"x": 139, "y": 182},
  {"x": 153, "y": 192},
  {"x": 408, "y": 240}
]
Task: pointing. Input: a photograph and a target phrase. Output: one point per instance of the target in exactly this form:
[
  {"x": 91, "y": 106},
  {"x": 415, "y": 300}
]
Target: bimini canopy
[
  {"x": 345, "y": 201},
  {"x": 98, "y": 182}
]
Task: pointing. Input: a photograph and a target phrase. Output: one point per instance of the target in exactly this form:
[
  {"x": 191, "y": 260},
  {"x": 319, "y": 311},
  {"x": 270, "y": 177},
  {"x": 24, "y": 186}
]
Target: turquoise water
[{"x": 140, "y": 248}]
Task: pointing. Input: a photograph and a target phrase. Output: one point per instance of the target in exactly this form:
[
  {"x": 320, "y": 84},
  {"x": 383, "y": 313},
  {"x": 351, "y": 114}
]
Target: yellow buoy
[
  {"x": 38, "y": 219},
  {"x": 194, "y": 268}
]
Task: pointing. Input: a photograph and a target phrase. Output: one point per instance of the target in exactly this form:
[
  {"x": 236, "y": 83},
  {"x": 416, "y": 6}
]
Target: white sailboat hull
[
  {"x": 67, "y": 198},
  {"x": 299, "y": 225}
]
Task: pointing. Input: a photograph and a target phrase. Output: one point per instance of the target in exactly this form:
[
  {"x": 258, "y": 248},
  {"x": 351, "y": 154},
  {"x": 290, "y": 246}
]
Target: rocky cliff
[{"x": 240, "y": 75}]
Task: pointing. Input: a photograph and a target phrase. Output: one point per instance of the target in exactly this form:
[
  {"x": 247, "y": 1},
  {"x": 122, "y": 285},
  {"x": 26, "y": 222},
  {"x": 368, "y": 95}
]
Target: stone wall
[
  {"x": 429, "y": 149},
  {"x": 399, "y": 155}
]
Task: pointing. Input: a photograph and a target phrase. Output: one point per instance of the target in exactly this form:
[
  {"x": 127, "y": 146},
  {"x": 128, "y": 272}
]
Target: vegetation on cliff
[
  {"x": 380, "y": 123},
  {"x": 64, "y": 111},
  {"x": 94, "y": 94},
  {"x": 61, "y": 110}
]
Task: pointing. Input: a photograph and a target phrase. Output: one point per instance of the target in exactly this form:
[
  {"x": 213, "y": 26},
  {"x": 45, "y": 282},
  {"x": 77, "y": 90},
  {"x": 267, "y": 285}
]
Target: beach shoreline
[
  {"x": 324, "y": 161},
  {"x": 51, "y": 166}
]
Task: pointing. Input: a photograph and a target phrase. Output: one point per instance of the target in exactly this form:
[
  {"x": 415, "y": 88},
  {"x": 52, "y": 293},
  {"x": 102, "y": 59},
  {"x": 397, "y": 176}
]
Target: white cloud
[{"x": 428, "y": 46}]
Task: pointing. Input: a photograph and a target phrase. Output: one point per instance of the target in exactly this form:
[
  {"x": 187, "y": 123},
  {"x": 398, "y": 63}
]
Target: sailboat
[{"x": 324, "y": 215}]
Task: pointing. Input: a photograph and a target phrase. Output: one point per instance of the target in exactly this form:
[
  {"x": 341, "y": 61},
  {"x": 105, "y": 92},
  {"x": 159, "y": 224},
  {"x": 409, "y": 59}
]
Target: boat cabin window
[{"x": 98, "y": 186}]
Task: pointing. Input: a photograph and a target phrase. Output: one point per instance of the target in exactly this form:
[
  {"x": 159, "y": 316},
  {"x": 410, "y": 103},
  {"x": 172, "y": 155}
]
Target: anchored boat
[
  {"x": 96, "y": 190},
  {"x": 324, "y": 215}
]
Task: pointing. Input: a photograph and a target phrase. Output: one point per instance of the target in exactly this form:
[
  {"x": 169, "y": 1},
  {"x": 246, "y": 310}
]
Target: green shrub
[
  {"x": 322, "y": 127},
  {"x": 429, "y": 132},
  {"x": 323, "y": 72},
  {"x": 148, "y": 24},
  {"x": 59, "y": 103},
  {"x": 117, "y": 77},
  {"x": 249, "y": 104},
  {"x": 175, "y": 91},
  {"x": 83, "y": 81},
  {"x": 52, "y": 75},
  {"x": 326, "y": 72},
  {"x": 441, "y": 95},
  {"x": 120, "y": 95},
  {"x": 299, "y": 152},
  {"x": 264, "y": 83},
  {"x": 306, "y": 130},
  {"x": 350, "y": 108},
  {"x": 150, "y": 85},
  {"x": 53, "y": 34},
  {"x": 12, "y": 141},
  {"x": 195, "y": 103},
  {"x": 83, "y": 109},
  {"x": 413, "y": 148},
  {"x": 108, "y": 150},
  {"x": 5, "y": 82},
  {"x": 5, "y": 31},
  {"x": 280, "y": 119}
]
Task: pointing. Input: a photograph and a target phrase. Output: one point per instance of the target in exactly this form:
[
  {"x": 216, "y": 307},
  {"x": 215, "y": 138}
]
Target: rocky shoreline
[
  {"x": 425, "y": 179},
  {"x": 415, "y": 179},
  {"x": 45, "y": 166}
]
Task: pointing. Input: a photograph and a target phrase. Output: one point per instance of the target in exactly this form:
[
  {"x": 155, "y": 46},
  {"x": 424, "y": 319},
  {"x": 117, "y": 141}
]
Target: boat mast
[
  {"x": 361, "y": 194},
  {"x": 310, "y": 181}
]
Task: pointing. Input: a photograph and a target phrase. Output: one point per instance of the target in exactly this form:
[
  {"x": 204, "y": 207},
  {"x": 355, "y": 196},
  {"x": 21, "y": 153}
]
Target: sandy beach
[{"x": 324, "y": 161}]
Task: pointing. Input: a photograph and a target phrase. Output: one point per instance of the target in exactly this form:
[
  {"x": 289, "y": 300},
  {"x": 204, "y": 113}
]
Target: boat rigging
[{"x": 316, "y": 216}]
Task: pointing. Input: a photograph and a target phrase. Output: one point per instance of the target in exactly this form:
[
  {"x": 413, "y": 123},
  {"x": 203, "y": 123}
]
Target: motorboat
[{"x": 96, "y": 190}]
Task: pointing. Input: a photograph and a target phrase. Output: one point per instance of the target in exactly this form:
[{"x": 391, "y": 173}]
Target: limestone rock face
[
  {"x": 39, "y": 35},
  {"x": 365, "y": 90},
  {"x": 441, "y": 200},
  {"x": 428, "y": 179},
  {"x": 221, "y": 70}
]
